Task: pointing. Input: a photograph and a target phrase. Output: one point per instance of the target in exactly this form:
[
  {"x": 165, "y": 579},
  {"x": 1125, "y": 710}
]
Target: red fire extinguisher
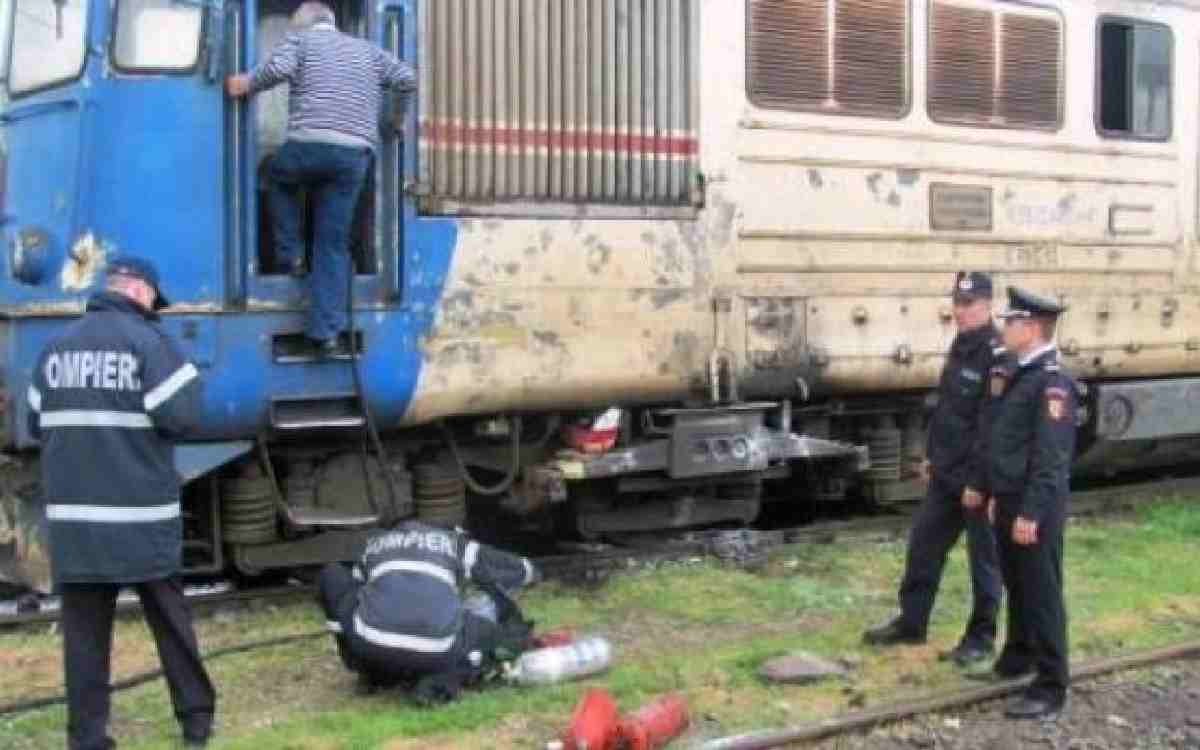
[
  {"x": 594, "y": 725},
  {"x": 655, "y": 724}
]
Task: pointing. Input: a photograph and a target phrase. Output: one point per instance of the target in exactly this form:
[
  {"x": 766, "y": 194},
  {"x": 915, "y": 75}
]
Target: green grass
[{"x": 702, "y": 629}]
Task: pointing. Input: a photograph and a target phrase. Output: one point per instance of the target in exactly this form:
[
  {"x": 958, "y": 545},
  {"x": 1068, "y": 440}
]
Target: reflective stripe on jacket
[{"x": 108, "y": 398}]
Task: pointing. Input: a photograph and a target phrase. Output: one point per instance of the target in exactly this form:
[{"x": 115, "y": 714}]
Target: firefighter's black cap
[{"x": 139, "y": 268}]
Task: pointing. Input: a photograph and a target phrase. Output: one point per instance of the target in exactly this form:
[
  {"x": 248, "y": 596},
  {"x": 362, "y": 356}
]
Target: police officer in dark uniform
[
  {"x": 956, "y": 468},
  {"x": 398, "y": 615},
  {"x": 1032, "y": 442},
  {"x": 108, "y": 398}
]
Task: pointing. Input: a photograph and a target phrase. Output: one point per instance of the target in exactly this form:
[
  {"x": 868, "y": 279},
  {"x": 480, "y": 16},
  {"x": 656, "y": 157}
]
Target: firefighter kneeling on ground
[{"x": 399, "y": 617}]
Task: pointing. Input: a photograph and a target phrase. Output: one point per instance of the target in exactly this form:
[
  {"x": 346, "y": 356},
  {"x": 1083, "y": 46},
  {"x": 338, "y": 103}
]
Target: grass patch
[{"x": 702, "y": 629}]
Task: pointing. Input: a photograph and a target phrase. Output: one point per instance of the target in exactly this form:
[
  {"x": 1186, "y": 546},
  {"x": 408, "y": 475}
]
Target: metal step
[
  {"x": 296, "y": 348},
  {"x": 329, "y": 412},
  {"x": 322, "y": 518}
]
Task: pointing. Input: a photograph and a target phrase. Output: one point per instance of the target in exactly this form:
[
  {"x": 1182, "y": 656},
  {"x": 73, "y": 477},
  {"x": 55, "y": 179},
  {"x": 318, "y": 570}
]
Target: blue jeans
[{"x": 333, "y": 176}]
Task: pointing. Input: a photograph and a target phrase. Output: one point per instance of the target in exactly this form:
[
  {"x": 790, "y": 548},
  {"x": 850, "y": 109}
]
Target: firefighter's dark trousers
[{"x": 87, "y": 628}]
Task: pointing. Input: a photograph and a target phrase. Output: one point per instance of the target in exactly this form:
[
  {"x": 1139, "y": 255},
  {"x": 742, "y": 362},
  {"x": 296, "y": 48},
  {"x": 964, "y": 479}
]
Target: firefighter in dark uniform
[
  {"x": 108, "y": 398},
  {"x": 398, "y": 615},
  {"x": 956, "y": 468},
  {"x": 1032, "y": 442}
]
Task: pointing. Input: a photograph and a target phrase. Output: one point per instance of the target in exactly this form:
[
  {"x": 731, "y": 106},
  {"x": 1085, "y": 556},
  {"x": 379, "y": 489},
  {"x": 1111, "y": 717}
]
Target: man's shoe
[
  {"x": 965, "y": 654},
  {"x": 996, "y": 675},
  {"x": 892, "y": 633},
  {"x": 195, "y": 740},
  {"x": 326, "y": 348},
  {"x": 1025, "y": 707}
]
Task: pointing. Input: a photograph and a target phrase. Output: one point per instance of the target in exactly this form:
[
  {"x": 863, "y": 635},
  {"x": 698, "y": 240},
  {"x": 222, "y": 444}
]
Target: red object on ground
[
  {"x": 655, "y": 724},
  {"x": 587, "y": 440},
  {"x": 594, "y": 725},
  {"x": 556, "y": 637}
]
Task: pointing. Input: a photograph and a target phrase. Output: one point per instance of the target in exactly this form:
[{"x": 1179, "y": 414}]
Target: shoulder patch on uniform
[{"x": 1056, "y": 403}]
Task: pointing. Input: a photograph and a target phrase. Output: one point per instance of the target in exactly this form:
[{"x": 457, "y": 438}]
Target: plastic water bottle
[{"x": 545, "y": 666}]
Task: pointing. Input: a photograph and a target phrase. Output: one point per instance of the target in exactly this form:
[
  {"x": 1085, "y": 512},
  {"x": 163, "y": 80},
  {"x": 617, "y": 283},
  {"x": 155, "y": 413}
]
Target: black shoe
[
  {"x": 892, "y": 633},
  {"x": 999, "y": 675},
  {"x": 326, "y": 348},
  {"x": 195, "y": 740},
  {"x": 965, "y": 654},
  {"x": 1025, "y": 707}
]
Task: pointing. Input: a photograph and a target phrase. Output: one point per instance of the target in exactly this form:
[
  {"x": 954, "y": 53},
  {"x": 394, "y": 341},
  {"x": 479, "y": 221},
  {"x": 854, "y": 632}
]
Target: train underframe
[{"x": 287, "y": 501}]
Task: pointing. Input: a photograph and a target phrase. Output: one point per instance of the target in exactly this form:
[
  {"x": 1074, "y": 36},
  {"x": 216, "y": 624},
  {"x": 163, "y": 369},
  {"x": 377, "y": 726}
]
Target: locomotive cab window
[
  {"x": 833, "y": 56},
  {"x": 1134, "y": 86},
  {"x": 47, "y": 46},
  {"x": 993, "y": 65},
  {"x": 157, "y": 35}
]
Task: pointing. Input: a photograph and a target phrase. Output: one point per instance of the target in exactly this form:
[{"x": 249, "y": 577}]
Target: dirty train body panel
[{"x": 586, "y": 201}]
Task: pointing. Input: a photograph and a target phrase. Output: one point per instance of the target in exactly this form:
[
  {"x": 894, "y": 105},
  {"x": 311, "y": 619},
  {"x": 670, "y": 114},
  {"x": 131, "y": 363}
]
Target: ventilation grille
[
  {"x": 995, "y": 69},
  {"x": 561, "y": 101},
  {"x": 837, "y": 56}
]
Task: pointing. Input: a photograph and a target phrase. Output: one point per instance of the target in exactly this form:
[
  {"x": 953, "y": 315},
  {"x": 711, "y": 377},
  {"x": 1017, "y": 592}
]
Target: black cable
[
  {"x": 506, "y": 482},
  {"x": 361, "y": 393},
  {"x": 141, "y": 678}
]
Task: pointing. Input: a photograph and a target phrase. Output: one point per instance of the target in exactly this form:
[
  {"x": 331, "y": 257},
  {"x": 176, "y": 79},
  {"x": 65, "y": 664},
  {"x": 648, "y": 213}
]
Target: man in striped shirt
[
  {"x": 107, "y": 399},
  {"x": 336, "y": 92}
]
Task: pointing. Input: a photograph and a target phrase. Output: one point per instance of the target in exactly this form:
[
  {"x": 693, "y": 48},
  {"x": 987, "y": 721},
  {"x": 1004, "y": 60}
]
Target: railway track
[{"x": 594, "y": 562}]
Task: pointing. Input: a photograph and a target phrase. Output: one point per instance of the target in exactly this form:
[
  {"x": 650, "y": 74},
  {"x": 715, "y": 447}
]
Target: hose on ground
[
  {"x": 504, "y": 484},
  {"x": 141, "y": 678}
]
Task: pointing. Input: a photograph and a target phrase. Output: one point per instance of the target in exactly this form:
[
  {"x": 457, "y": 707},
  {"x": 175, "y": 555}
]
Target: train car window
[
  {"x": 47, "y": 46},
  {"x": 156, "y": 35},
  {"x": 831, "y": 56},
  {"x": 1134, "y": 86},
  {"x": 995, "y": 68},
  {"x": 537, "y": 108}
]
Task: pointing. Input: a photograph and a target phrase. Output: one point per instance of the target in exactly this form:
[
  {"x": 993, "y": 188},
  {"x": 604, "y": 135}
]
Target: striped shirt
[{"x": 337, "y": 84}]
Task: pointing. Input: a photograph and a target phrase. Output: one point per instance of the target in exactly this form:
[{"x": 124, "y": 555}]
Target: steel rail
[{"x": 938, "y": 702}]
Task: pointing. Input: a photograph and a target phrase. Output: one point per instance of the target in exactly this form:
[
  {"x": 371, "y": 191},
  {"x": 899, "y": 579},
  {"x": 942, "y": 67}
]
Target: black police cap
[
  {"x": 139, "y": 268},
  {"x": 1026, "y": 304},
  {"x": 972, "y": 285}
]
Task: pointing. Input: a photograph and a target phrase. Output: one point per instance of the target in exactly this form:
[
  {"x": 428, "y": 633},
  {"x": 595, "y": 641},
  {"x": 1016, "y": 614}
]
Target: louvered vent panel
[
  {"x": 1030, "y": 71},
  {"x": 871, "y": 55},
  {"x": 961, "y": 63},
  {"x": 558, "y": 101},
  {"x": 789, "y": 53}
]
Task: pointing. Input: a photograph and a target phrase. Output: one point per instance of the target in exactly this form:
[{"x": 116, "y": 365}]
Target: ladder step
[
  {"x": 296, "y": 348},
  {"x": 330, "y": 412},
  {"x": 329, "y": 519}
]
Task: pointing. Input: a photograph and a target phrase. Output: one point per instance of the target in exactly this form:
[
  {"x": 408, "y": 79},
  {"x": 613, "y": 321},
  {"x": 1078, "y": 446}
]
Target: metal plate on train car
[{"x": 960, "y": 207}]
